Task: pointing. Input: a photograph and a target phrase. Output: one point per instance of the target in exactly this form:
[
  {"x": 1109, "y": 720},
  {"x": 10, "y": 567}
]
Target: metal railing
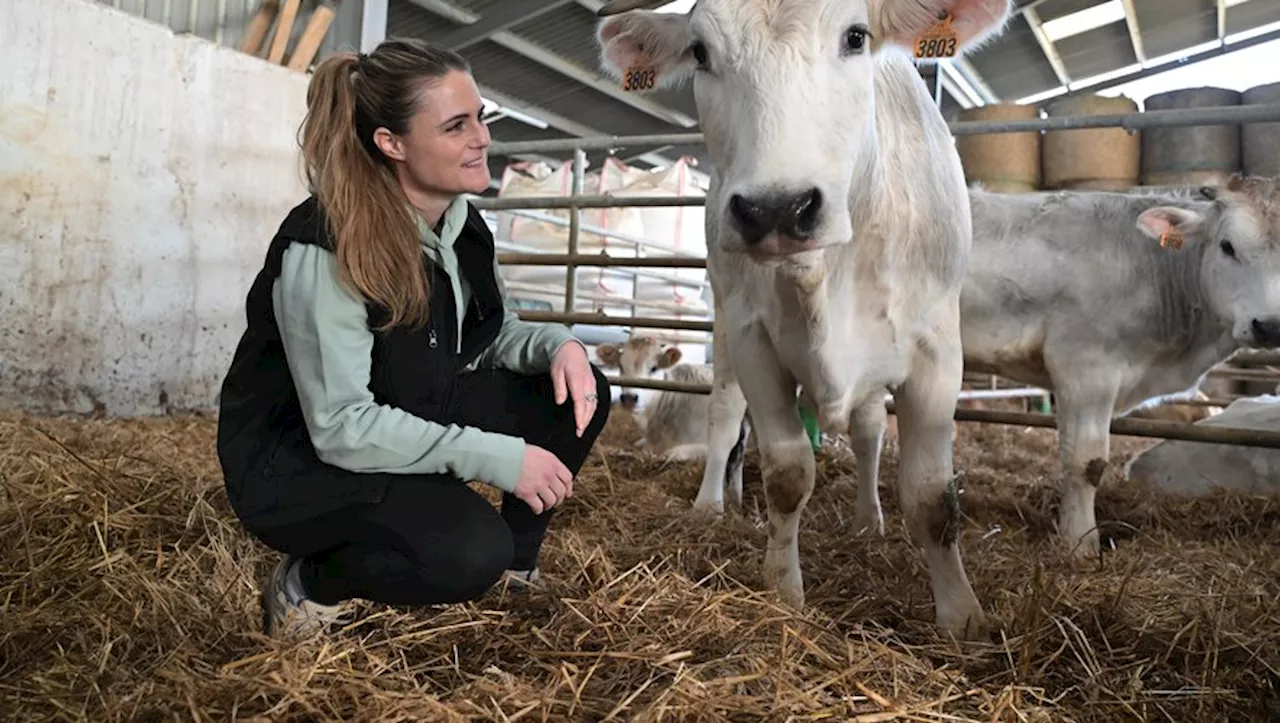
[{"x": 572, "y": 260}]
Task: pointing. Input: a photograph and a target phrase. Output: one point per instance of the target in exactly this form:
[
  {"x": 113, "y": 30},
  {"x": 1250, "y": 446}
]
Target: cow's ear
[
  {"x": 609, "y": 354},
  {"x": 669, "y": 357},
  {"x": 1169, "y": 224},
  {"x": 646, "y": 51},
  {"x": 940, "y": 28}
]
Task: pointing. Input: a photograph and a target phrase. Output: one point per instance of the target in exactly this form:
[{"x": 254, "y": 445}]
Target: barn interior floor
[{"x": 128, "y": 592}]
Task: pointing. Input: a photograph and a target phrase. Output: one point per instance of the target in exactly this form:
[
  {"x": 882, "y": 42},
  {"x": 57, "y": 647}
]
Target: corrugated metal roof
[{"x": 570, "y": 86}]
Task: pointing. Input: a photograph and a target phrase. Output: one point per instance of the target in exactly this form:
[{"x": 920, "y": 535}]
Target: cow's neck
[
  {"x": 1184, "y": 326},
  {"x": 907, "y": 187}
]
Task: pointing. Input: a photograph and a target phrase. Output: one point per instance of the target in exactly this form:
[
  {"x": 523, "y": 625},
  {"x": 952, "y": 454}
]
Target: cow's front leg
[
  {"x": 786, "y": 458},
  {"x": 866, "y": 432},
  {"x": 1084, "y": 447},
  {"x": 726, "y": 433},
  {"x": 925, "y": 406}
]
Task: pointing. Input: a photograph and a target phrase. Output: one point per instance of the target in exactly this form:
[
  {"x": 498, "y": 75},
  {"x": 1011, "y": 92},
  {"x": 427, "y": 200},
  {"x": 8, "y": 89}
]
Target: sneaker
[
  {"x": 286, "y": 609},
  {"x": 520, "y": 581}
]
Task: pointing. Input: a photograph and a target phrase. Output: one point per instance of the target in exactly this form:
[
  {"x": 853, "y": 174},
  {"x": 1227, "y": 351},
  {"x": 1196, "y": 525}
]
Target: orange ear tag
[
  {"x": 1171, "y": 238},
  {"x": 939, "y": 41},
  {"x": 640, "y": 76}
]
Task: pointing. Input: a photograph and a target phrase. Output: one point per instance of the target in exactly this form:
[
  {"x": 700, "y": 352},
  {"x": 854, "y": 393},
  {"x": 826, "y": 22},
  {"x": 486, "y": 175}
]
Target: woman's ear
[{"x": 389, "y": 143}]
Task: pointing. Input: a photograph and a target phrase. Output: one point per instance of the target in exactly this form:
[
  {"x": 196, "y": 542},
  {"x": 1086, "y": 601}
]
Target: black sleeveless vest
[{"x": 261, "y": 434}]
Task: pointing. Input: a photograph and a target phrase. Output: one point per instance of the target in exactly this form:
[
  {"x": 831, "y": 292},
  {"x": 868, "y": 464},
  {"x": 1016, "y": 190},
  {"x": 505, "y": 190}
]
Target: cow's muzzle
[
  {"x": 790, "y": 215},
  {"x": 629, "y": 400}
]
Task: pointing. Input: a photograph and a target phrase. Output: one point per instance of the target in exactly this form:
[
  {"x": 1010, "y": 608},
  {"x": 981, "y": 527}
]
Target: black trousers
[{"x": 432, "y": 539}]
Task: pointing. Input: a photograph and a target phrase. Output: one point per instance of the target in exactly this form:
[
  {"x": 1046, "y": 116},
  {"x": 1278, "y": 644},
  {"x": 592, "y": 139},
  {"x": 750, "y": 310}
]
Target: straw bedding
[{"x": 129, "y": 593}]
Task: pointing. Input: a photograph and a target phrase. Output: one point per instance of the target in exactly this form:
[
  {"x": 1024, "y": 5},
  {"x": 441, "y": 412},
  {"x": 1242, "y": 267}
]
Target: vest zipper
[{"x": 431, "y": 338}]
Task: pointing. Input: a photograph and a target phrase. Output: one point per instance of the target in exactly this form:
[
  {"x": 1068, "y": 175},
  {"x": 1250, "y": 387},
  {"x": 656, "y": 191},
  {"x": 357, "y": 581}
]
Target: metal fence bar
[
  {"x": 611, "y": 300},
  {"x": 598, "y": 231},
  {"x": 1127, "y": 427},
  {"x": 575, "y": 223},
  {"x": 615, "y": 271},
  {"x": 1256, "y": 357},
  {"x": 544, "y": 259},
  {"x": 1248, "y": 375},
  {"x": 1218, "y": 115},
  {"x": 1123, "y": 426},
  {"x": 605, "y": 320},
  {"x": 507, "y": 203}
]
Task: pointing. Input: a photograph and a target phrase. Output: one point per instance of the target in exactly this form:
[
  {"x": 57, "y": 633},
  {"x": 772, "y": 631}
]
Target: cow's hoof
[
  {"x": 974, "y": 626},
  {"x": 1082, "y": 549},
  {"x": 866, "y": 522},
  {"x": 708, "y": 505},
  {"x": 787, "y": 583}
]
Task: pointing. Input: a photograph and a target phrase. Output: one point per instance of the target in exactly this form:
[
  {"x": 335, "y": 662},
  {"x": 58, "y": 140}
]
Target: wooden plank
[
  {"x": 283, "y": 30},
  {"x": 309, "y": 43},
  {"x": 258, "y": 26}
]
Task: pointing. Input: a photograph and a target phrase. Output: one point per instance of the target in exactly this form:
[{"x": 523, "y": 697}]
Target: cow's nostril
[{"x": 1267, "y": 331}]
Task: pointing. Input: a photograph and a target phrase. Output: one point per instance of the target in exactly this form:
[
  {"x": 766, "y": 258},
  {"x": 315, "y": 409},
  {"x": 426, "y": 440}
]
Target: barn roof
[{"x": 538, "y": 60}]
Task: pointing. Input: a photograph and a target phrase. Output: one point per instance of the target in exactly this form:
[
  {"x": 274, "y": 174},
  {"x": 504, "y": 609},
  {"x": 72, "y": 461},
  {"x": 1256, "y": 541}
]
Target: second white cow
[{"x": 838, "y": 234}]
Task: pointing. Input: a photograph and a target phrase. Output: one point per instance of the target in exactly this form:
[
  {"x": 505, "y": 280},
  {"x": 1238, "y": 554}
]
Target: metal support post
[{"x": 575, "y": 227}]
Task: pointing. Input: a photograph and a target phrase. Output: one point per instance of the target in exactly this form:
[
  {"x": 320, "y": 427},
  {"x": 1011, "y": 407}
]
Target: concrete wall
[{"x": 142, "y": 175}]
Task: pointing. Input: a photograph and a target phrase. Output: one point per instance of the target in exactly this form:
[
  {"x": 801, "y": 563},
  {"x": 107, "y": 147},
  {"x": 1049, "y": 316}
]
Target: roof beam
[
  {"x": 595, "y": 81},
  {"x": 513, "y": 13},
  {"x": 1181, "y": 61},
  {"x": 1046, "y": 45},
  {"x": 1135, "y": 34},
  {"x": 560, "y": 122},
  {"x": 965, "y": 69}
]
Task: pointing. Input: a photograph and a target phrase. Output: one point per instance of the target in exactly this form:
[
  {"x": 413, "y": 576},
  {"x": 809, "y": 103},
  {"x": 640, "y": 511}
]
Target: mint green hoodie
[{"x": 328, "y": 344}]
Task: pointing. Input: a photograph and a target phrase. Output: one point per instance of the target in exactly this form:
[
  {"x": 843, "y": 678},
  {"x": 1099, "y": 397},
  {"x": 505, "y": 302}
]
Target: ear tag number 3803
[
  {"x": 639, "y": 77},
  {"x": 939, "y": 41}
]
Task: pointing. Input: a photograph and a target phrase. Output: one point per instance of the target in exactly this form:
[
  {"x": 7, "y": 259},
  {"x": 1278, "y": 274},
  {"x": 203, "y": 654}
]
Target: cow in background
[
  {"x": 675, "y": 423},
  {"x": 1177, "y": 412},
  {"x": 838, "y": 234},
  {"x": 1113, "y": 300}
]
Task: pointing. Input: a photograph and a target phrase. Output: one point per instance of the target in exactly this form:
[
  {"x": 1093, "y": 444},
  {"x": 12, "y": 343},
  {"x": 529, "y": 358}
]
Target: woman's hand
[
  {"x": 571, "y": 376},
  {"x": 544, "y": 480}
]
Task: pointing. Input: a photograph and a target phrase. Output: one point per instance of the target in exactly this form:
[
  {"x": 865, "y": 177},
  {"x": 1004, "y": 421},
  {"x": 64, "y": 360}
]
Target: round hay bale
[
  {"x": 1190, "y": 155},
  {"x": 1100, "y": 159},
  {"x": 1002, "y": 162},
  {"x": 1260, "y": 142}
]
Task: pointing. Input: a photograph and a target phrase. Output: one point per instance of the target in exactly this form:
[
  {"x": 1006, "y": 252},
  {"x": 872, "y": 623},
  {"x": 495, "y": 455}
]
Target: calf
[
  {"x": 675, "y": 423},
  {"x": 1114, "y": 299},
  {"x": 838, "y": 233}
]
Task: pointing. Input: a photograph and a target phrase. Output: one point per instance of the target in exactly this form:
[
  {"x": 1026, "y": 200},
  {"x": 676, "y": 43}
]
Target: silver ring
[{"x": 591, "y": 397}]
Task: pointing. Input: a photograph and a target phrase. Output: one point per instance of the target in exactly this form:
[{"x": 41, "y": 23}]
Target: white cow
[
  {"x": 1074, "y": 292},
  {"x": 838, "y": 233}
]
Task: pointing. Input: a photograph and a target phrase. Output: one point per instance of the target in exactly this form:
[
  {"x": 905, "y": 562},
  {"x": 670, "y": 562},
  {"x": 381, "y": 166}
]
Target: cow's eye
[
  {"x": 699, "y": 50},
  {"x": 854, "y": 41},
  {"x": 1227, "y": 248}
]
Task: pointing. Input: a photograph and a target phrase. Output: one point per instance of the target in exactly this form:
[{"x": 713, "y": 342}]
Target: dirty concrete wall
[{"x": 142, "y": 174}]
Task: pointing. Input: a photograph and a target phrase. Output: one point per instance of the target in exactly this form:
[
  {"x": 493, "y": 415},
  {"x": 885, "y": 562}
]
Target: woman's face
[{"x": 445, "y": 149}]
